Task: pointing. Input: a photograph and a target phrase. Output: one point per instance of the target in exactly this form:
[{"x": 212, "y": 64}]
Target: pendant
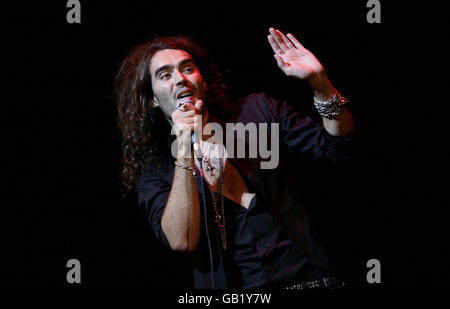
[
  {"x": 209, "y": 167},
  {"x": 223, "y": 236}
]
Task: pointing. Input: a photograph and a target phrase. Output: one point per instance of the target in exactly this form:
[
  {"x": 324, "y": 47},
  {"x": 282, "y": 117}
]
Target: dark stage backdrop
[{"x": 62, "y": 198}]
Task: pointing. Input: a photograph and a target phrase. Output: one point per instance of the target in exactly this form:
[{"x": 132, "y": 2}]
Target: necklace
[
  {"x": 220, "y": 217},
  {"x": 207, "y": 160}
]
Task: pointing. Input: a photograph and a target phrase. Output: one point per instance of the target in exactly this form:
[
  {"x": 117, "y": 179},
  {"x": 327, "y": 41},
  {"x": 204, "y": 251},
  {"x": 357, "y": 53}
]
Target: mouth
[{"x": 185, "y": 96}]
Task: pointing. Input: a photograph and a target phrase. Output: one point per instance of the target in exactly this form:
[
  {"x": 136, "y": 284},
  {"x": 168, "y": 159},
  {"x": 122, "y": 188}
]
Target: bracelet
[
  {"x": 184, "y": 166},
  {"x": 193, "y": 169},
  {"x": 331, "y": 108}
]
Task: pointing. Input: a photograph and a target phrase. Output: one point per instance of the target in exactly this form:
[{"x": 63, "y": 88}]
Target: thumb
[{"x": 280, "y": 61}]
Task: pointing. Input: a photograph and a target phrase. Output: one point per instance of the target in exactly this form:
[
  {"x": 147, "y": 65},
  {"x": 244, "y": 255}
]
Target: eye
[
  {"x": 188, "y": 70},
  {"x": 164, "y": 76}
]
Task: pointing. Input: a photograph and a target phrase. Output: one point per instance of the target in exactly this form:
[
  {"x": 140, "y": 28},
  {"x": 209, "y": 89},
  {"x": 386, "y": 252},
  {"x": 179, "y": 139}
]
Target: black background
[{"x": 62, "y": 147}]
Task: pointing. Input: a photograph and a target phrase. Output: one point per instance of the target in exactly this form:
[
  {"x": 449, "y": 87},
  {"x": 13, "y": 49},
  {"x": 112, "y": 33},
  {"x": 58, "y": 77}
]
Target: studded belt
[{"x": 324, "y": 283}]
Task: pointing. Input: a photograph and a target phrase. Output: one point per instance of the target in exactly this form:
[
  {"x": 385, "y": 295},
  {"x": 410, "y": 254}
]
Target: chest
[{"x": 223, "y": 177}]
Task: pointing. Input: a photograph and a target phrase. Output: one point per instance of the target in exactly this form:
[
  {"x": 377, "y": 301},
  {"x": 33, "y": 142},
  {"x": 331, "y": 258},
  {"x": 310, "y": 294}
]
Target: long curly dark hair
[{"x": 144, "y": 129}]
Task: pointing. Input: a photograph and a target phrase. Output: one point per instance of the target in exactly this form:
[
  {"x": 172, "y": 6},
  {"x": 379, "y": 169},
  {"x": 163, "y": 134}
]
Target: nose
[{"x": 180, "y": 79}]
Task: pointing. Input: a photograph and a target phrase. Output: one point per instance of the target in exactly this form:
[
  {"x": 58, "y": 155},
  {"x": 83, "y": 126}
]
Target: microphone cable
[{"x": 208, "y": 238}]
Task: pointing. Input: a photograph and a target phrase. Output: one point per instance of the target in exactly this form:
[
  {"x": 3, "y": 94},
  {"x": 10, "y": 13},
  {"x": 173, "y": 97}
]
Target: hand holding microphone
[{"x": 187, "y": 121}]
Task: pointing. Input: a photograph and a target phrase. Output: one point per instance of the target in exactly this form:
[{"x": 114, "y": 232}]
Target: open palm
[{"x": 292, "y": 58}]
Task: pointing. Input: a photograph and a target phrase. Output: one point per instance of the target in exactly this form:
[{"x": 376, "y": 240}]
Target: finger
[
  {"x": 278, "y": 40},
  {"x": 286, "y": 41},
  {"x": 276, "y": 49},
  {"x": 295, "y": 41},
  {"x": 199, "y": 104},
  {"x": 187, "y": 120},
  {"x": 190, "y": 107},
  {"x": 182, "y": 128},
  {"x": 188, "y": 114},
  {"x": 280, "y": 61},
  {"x": 282, "y": 46},
  {"x": 190, "y": 123},
  {"x": 198, "y": 122},
  {"x": 178, "y": 115}
]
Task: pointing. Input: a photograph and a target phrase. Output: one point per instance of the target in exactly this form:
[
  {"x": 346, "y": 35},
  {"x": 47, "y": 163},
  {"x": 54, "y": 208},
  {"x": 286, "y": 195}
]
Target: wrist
[
  {"x": 184, "y": 148},
  {"x": 321, "y": 86},
  {"x": 331, "y": 108},
  {"x": 186, "y": 161}
]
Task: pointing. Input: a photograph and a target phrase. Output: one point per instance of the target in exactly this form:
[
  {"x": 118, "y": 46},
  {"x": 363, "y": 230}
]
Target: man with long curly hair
[{"x": 254, "y": 231}]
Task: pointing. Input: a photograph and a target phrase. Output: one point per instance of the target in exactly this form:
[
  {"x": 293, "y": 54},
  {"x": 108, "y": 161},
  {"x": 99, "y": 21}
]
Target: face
[{"x": 175, "y": 78}]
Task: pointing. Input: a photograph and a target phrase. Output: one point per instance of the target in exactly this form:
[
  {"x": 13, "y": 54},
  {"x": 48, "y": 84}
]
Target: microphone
[
  {"x": 195, "y": 143},
  {"x": 194, "y": 137}
]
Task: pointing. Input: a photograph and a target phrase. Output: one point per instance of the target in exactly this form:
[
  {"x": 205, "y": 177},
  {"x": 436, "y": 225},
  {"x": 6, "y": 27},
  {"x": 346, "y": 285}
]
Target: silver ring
[{"x": 181, "y": 106}]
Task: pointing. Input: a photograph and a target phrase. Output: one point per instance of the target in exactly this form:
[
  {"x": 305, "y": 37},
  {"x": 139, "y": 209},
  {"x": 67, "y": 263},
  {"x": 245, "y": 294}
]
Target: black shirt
[
  {"x": 272, "y": 261},
  {"x": 272, "y": 243}
]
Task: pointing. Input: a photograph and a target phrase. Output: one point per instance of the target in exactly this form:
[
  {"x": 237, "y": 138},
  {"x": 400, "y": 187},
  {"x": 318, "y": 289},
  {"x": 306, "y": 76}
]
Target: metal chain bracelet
[
  {"x": 331, "y": 108},
  {"x": 184, "y": 166},
  {"x": 193, "y": 169}
]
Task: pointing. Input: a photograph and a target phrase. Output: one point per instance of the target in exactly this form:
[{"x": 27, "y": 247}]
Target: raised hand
[{"x": 292, "y": 58}]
